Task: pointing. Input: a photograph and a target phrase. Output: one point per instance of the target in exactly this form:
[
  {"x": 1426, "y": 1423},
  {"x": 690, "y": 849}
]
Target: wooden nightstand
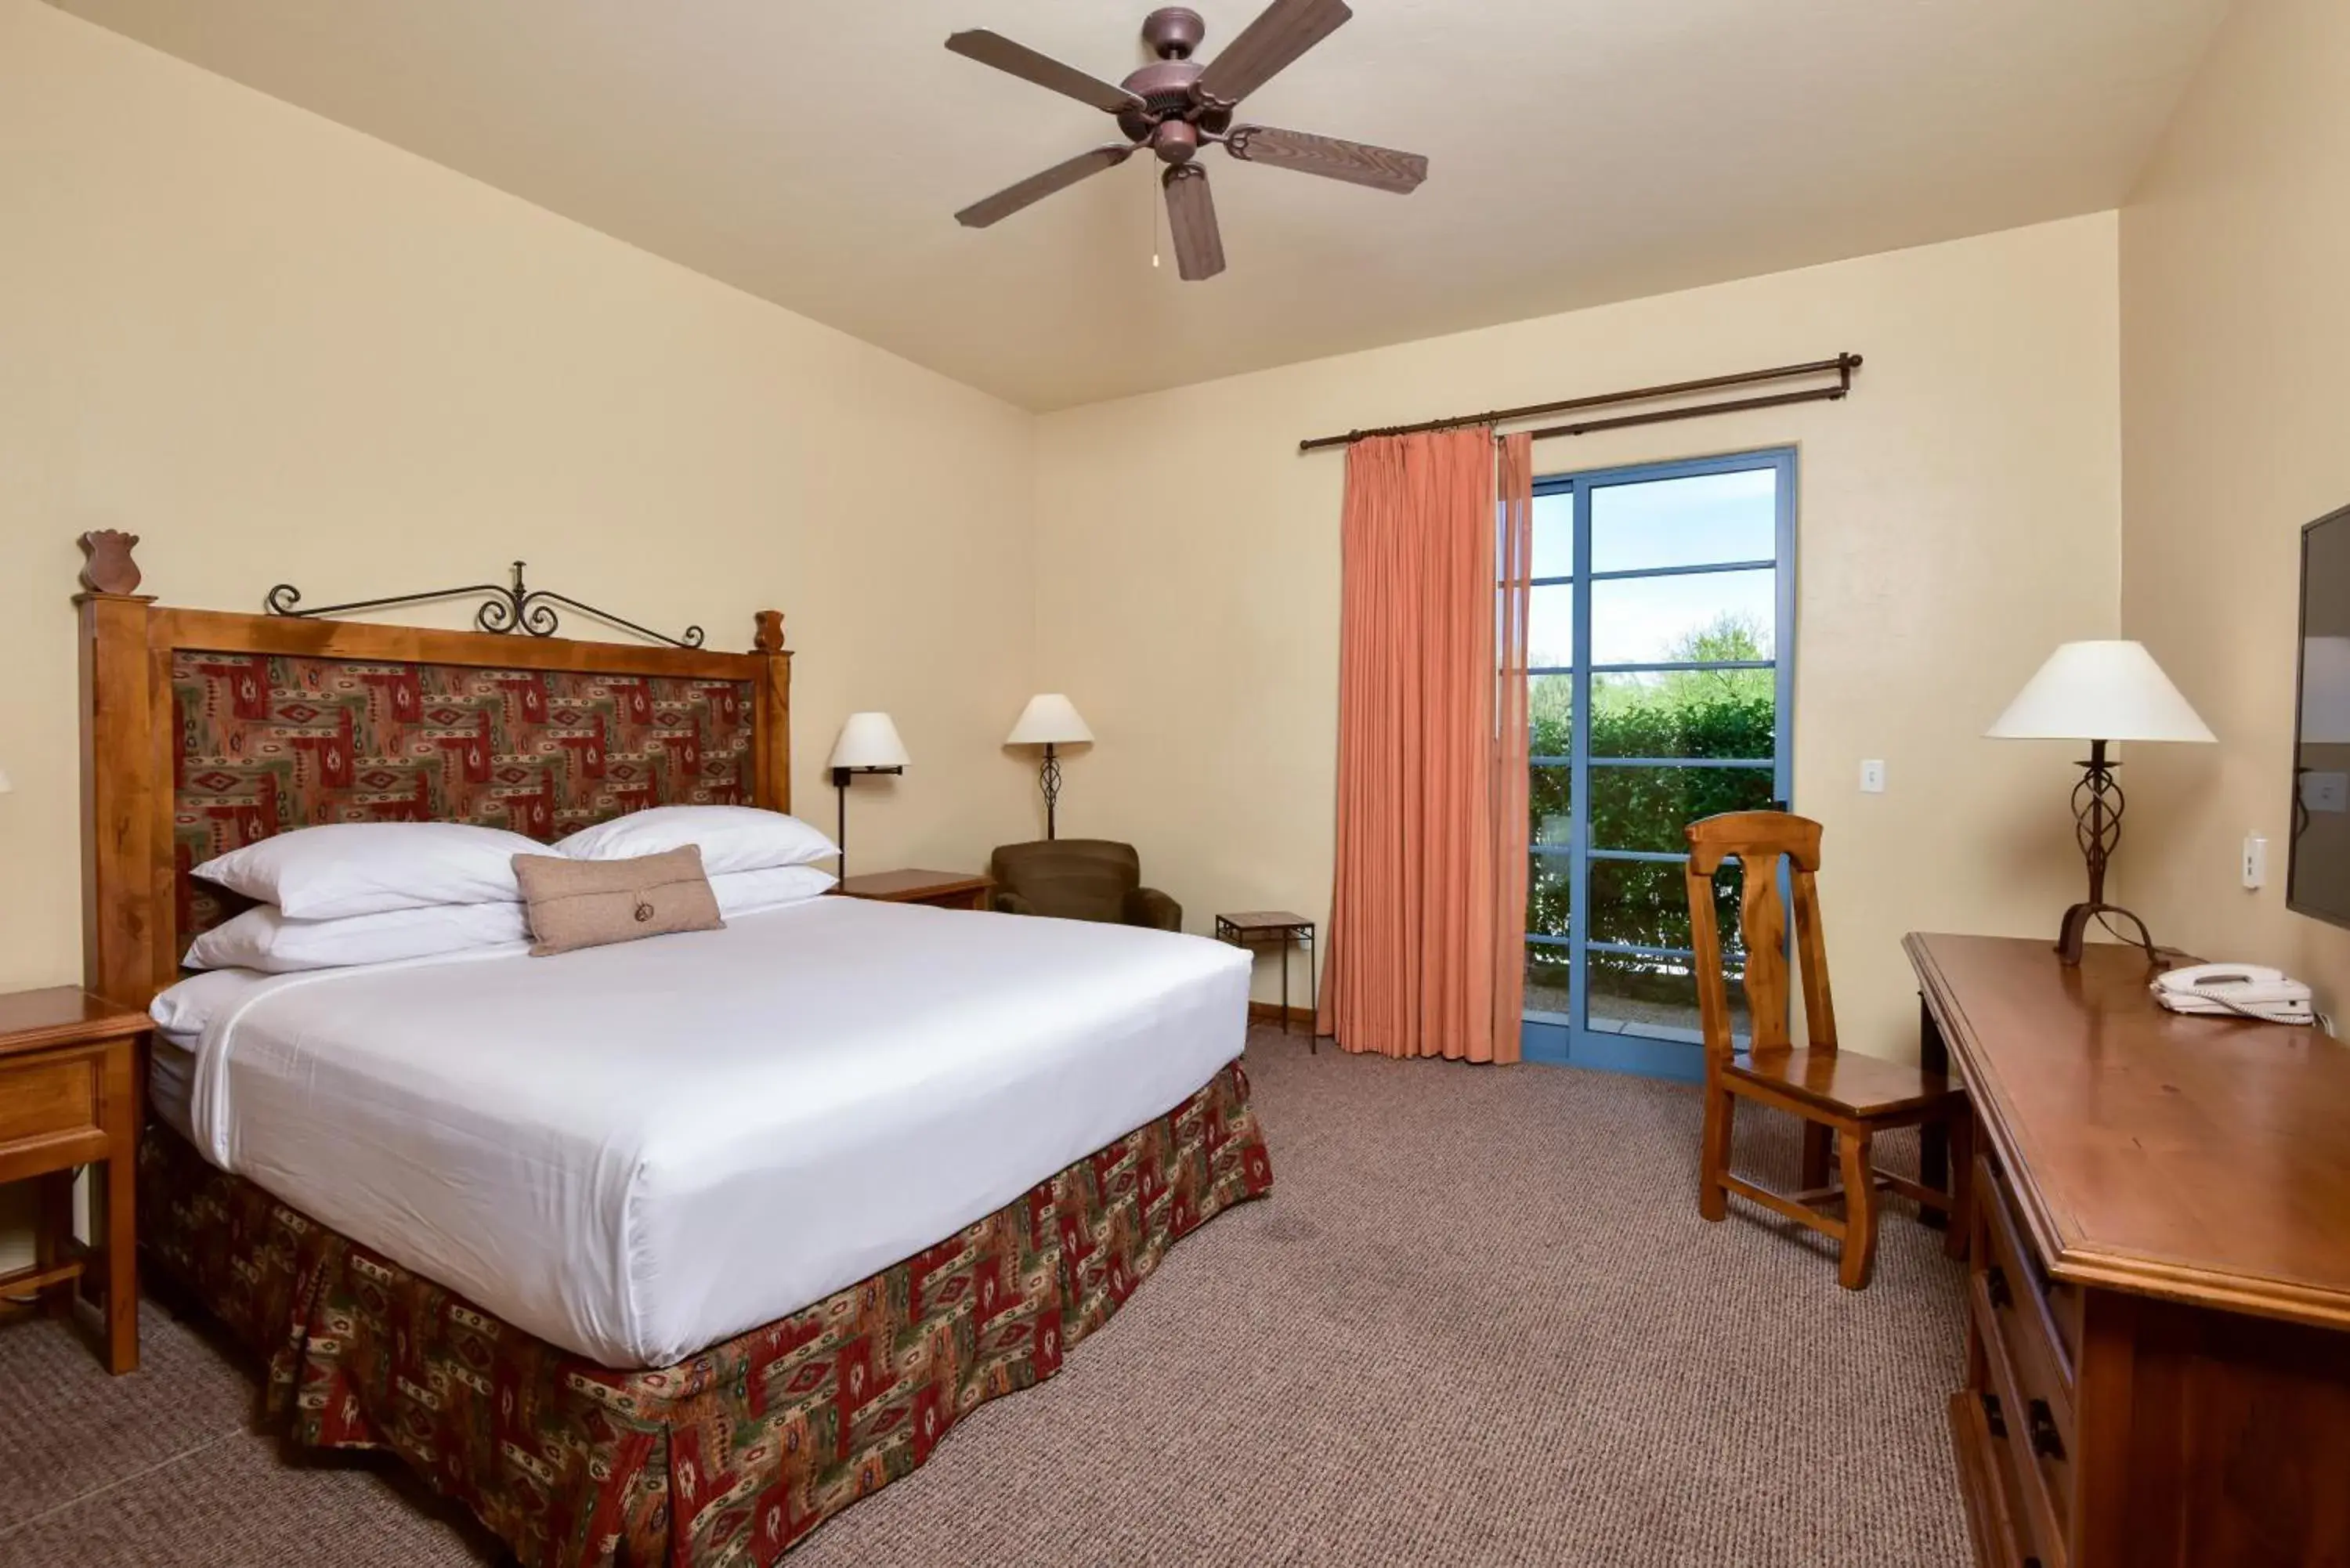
[
  {"x": 941, "y": 889},
  {"x": 69, "y": 1097}
]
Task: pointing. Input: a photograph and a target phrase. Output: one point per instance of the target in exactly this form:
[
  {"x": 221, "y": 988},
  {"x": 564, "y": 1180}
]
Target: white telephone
[{"x": 2240, "y": 989}]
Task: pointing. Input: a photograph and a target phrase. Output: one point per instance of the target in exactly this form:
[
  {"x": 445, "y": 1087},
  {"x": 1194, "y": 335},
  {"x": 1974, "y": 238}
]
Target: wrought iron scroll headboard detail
[{"x": 506, "y": 610}]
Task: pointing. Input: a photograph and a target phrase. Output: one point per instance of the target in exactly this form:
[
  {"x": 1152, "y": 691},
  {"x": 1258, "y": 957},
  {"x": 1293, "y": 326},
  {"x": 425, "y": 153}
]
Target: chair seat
[{"x": 1864, "y": 1086}]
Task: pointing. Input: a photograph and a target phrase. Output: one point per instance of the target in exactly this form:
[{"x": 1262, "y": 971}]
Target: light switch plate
[
  {"x": 1872, "y": 776},
  {"x": 2256, "y": 860}
]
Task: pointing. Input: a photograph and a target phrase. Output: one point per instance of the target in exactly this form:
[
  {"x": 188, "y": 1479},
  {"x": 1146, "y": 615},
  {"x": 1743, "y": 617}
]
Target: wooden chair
[{"x": 1851, "y": 1097}]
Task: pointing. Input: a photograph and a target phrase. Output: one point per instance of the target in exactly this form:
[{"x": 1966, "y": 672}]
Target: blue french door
[{"x": 1662, "y": 631}]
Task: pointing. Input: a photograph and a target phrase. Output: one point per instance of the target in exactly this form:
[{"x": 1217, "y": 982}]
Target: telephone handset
[{"x": 2236, "y": 990}]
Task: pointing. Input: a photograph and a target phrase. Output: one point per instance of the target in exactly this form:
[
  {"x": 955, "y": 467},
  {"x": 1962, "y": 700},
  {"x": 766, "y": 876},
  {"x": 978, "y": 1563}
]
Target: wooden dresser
[{"x": 2159, "y": 1294}]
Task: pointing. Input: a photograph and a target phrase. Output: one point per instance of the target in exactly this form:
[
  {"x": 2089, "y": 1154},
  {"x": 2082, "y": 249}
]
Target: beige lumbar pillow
[{"x": 591, "y": 903}]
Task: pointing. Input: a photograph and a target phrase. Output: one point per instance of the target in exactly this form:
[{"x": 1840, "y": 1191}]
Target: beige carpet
[{"x": 1479, "y": 1323}]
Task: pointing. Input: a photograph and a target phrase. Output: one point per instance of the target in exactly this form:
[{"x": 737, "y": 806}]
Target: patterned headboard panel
[{"x": 268, "y": 743}]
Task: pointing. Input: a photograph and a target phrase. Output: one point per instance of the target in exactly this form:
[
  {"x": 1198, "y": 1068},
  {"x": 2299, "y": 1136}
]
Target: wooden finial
[
  {"x": 771, "y": 632},
  {"x": 110, "y": 570}
]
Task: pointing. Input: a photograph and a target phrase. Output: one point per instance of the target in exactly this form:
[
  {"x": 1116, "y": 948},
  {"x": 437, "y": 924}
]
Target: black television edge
[{"x": 2317, "y": 877}]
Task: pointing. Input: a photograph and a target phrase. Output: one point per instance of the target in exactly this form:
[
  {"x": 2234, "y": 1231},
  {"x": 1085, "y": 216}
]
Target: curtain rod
[{"x": 1842, "y": 367}]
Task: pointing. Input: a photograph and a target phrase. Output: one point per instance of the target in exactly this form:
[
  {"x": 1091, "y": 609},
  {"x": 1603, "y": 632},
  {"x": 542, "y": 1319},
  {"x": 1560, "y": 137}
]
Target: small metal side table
[{"x": 1251, "y": 927}]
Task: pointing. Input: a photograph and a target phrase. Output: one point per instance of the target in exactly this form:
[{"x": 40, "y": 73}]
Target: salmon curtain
[{"x": 1427, "y": 907}]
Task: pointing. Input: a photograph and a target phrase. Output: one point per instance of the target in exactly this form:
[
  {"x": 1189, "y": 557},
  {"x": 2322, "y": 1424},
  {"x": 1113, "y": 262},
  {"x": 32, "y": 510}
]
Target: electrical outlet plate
[{"x": 2256, "y": 860}]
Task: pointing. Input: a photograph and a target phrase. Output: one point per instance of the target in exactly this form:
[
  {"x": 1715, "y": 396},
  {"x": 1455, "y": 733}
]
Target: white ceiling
[{"x": 812, "y": 152}]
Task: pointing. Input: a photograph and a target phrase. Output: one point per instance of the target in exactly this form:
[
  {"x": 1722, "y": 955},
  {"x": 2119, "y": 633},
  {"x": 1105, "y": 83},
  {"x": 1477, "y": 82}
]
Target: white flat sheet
[{"x": 636, "y": 1151}]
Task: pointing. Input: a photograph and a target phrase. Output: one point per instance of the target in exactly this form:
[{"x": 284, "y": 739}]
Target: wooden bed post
[
  {"x": 122, "y": 876},
  {"x": 772, "y": 787}
]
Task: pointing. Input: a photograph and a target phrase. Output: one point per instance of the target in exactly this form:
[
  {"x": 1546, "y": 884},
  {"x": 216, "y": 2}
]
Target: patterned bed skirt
[{"x": 734, "y": 1454}]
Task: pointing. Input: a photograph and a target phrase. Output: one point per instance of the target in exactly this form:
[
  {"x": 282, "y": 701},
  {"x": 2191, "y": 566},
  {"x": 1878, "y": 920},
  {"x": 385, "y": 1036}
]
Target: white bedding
[{"x": 636, "y": 1151}]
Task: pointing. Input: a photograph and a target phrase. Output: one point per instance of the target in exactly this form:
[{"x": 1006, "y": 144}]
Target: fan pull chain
[{"x": 1154, "y": 225}]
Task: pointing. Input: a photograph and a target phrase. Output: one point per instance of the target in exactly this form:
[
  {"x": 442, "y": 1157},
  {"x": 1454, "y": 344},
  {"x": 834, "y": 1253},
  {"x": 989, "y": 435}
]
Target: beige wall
[
  {"x": 1957, "y": 517},
  {"x": 2235, "y": 340},
  {"x": 282, "y": 351}
]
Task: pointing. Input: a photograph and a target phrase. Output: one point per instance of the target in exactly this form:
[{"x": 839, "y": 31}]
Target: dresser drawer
[
  {"x": 46, "y": 1097},
  {"x": 2034, "y": 1454},
  {"x": 1989, "y": 1486},
  {"x": 52, "y": 1112},
  {"x": 2027, "y": 1326},
  {"x": 2040, "y": 1316}
]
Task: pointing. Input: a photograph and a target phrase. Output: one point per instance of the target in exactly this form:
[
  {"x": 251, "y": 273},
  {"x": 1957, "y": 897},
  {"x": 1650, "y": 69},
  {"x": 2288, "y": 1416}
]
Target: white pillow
[
  {"x": 264, "y": 939},
  {"x": 367, "y": 867},
  {"x": 748, "y": 892},
  {"x": 730, "y": 838}
]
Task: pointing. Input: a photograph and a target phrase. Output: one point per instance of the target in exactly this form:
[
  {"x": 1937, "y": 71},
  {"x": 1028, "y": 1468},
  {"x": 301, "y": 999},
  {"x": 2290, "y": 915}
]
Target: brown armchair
[{"x": 1080, "y": 879}]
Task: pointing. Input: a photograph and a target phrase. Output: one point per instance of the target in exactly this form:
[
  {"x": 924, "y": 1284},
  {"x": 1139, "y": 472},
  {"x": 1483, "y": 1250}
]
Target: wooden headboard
[{"x": 203, "y": 730}]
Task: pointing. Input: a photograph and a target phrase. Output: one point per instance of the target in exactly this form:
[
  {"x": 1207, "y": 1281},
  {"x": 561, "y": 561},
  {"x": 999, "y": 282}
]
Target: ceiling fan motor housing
[
  {"x": 1174, "y": 32},
  {"x": 1165, "y": 85},
  {"x": 1165, "y": 89}
]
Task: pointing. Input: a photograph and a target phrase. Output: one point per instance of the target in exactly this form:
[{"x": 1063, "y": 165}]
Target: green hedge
[{"x": 1646, "y": 808}]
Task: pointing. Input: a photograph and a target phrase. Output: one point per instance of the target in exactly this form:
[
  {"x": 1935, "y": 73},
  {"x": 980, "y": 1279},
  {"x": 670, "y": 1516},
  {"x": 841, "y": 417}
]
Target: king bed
[{"x": 657, "y": 1252}]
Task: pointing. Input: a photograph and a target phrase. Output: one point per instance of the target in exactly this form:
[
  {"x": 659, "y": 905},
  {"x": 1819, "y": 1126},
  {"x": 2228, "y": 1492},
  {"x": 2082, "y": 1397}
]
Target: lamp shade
[
  {"x": 1050, "y": 720},
  {"x": 2110, "y": 690},
  {"x": 869, "y": 741}
]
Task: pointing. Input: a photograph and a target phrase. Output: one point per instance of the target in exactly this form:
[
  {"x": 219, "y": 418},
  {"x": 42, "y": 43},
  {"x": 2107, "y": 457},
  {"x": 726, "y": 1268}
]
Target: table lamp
[
  {"x": 2099, "y": 692},
  {"x": 868, "y": 743},
  {"x": 1049, "y": 721}
]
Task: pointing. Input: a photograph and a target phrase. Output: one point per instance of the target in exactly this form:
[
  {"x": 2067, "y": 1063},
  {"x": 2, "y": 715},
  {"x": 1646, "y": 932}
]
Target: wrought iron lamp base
[
  {"x": 1048, "y": 778},
  {"x": 2074, "y": 934},
  {"x": 2098, "y": 807}
]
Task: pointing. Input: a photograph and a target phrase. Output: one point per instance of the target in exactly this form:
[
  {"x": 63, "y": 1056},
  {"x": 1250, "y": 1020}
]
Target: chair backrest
[
  {"x": 1759, "y": 841},
  {"x": 1072, "y": 879}
]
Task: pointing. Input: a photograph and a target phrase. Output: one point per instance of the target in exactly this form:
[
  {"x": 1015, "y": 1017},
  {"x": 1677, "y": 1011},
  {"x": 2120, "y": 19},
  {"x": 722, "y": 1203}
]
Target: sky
[{"x": 1673, "y": 521}]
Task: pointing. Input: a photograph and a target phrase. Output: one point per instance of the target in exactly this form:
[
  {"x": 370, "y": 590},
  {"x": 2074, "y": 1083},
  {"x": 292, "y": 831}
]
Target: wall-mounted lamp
[
  {"x": 868, "y": 743},
  {"x": 1049, "y": 721}
]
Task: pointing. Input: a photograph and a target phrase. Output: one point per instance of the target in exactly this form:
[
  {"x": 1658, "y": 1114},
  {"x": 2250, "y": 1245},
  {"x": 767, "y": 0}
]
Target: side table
[
  {"x": 1249, "y": 928},
  {"x": 939, "y": 889},
  {"x": 69, "y": 1078}
]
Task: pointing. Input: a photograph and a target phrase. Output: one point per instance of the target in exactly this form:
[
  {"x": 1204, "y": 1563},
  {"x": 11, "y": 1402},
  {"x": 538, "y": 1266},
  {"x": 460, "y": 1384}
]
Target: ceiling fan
[{"x": 1175, "y": 106}]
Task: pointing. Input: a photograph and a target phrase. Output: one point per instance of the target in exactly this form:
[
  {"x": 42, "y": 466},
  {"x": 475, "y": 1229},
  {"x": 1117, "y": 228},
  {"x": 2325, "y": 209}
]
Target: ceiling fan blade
[
  {"x": 1284, "y": 30},
  {"x": 994, "y": 49},
  {"x": 1191, "y": 219},
  {"x": 1357, "y": 163},
  {"x": 1036, "y": 187}
]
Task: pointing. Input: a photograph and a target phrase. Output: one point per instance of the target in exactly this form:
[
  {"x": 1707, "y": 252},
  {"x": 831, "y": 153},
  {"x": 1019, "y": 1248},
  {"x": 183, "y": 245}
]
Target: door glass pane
[
  {"x": 1550, "y": 627},
  {"x": 1645, "y": 903},
  {"x": 1549, "y": 904},
  {"x": 1551, "y": 806},
  {"x": 1675, "y": 621},
  {"x": 1550, "y": 714},
  {"x": 1549, "y": 971},
  {"x": 1652, "y": 996},
  {"x": 1553, "y": 517},
  {"x": 1685, "y": 521},
  {"x": 1731, "y": 714},
  {"x": 1646, "y": 808}
]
